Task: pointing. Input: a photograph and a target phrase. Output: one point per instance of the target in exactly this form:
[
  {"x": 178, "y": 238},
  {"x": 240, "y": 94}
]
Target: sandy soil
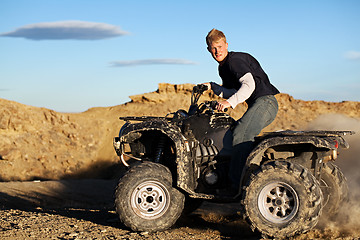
[{"x": 83, "y": 209}]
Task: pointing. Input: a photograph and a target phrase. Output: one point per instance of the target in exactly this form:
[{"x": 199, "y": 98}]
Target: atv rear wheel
[
  {"x": 334, "y": 188},
  {"x": 145, "y": 199},
  {"x": 282, "y": 199}
]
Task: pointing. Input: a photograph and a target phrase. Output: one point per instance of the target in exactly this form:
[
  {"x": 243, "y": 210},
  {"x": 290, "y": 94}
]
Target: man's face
[{"x": 218, "y": 50}]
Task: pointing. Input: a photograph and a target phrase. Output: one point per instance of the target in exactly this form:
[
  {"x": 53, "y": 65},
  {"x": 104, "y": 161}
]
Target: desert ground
[{"x": 59, "y": 170}]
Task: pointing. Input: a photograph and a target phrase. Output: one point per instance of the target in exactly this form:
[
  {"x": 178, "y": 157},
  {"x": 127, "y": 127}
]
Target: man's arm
[
  {"x": 221, "y": 91},
  {"x": 235, "y": 97},
  {"x": 247, "y": 88}
]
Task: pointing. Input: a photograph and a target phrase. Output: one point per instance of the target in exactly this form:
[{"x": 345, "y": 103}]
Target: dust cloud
[{"x": 348, "y": 219}]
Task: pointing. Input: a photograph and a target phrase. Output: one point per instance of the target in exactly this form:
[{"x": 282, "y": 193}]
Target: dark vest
[{"x": 236, "y": 65}]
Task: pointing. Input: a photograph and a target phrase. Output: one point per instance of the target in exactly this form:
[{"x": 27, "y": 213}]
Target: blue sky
[{"x": 70, "y": 55}]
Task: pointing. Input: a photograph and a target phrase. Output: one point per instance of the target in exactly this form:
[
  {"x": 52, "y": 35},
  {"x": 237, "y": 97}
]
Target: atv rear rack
[{"x": 309, "y": 133}]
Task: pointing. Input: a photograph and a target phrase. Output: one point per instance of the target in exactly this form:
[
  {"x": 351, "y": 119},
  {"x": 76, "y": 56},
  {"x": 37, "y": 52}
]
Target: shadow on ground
[{"x": 92, "y": 200}]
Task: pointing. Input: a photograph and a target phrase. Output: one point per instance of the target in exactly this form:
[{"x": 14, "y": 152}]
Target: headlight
[{"x": 116, "y": 143}]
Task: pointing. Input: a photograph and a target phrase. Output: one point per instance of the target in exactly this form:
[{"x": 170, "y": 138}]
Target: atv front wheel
[
  {"x": 282, "y": 199},
  {"x": 145, "y": 199}
]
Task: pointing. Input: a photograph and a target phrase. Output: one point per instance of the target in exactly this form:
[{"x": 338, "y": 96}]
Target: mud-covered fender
[
  {"x": 130, "y": 132},
  {"x": 255, "y": 156}
]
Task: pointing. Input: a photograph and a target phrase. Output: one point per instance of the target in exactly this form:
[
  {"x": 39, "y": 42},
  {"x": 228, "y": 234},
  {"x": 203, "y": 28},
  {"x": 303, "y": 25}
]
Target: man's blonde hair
[{"x": 214, "y": 36}]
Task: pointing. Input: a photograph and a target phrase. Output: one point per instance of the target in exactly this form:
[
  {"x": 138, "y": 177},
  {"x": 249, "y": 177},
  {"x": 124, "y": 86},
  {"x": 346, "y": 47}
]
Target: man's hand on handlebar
[{"x": 222, "y": 105}]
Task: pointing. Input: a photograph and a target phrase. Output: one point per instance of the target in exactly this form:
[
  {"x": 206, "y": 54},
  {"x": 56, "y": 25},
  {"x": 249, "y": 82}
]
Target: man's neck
[{"x": 224, "y": 60}]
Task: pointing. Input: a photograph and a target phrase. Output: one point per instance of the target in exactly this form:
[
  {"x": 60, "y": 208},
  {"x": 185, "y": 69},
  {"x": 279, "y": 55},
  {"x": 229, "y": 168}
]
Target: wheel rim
[
  {"x": 150, "y": 200},
  {"x": 278, "y": 202}
]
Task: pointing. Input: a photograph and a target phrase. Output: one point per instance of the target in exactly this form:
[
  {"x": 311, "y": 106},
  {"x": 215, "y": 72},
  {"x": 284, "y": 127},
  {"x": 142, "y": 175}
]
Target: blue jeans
[{"x": 259, "y": 114}]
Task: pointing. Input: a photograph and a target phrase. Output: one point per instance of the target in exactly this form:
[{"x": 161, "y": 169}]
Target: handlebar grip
[
  {"x": 213, "y": 105},
  {"x": 200, "y": 88}
]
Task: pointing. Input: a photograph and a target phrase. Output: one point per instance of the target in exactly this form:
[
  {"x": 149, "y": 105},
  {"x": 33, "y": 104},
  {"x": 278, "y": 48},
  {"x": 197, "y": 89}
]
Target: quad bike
[{"x": 176, "y": 162}]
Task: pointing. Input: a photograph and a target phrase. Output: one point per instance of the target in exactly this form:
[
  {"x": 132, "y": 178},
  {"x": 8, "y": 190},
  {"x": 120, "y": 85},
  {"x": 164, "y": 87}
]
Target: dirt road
[{"x": 83, "y": 209}]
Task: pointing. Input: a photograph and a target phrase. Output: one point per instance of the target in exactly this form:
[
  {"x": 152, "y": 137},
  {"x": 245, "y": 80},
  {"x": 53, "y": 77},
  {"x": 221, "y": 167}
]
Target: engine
[{"x": 212, "y": 153}]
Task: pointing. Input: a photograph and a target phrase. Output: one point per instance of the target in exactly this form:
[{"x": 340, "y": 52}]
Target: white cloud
[
  {"x": 352, "y": 55},
  {"x": 151, "y": 62},
  {"x": 78, "y": 30}
]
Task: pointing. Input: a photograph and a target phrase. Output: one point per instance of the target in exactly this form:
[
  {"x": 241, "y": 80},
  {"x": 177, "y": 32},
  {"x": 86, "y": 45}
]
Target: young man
[{"x": 243, "y": 80}]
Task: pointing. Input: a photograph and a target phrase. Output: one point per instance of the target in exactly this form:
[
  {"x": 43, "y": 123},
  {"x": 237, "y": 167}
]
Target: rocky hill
[{"x": 38, "y": 143}]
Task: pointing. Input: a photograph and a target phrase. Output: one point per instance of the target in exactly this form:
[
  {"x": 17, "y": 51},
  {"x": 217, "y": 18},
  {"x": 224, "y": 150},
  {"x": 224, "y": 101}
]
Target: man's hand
[{"x": 223, "y": 105}]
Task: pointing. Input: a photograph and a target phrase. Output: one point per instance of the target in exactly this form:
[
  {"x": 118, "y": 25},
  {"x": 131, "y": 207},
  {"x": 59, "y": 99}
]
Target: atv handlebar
[{"x": 198, "y": 90}]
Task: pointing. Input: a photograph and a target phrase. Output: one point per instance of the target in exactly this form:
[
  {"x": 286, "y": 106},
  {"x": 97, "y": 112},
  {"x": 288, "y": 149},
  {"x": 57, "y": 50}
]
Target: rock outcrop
[{"x": 38, "y": 143}]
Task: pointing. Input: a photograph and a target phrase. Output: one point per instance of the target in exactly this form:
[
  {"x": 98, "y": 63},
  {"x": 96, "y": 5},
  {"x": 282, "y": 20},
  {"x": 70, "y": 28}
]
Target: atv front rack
[{"x": 143, "y": 118}]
